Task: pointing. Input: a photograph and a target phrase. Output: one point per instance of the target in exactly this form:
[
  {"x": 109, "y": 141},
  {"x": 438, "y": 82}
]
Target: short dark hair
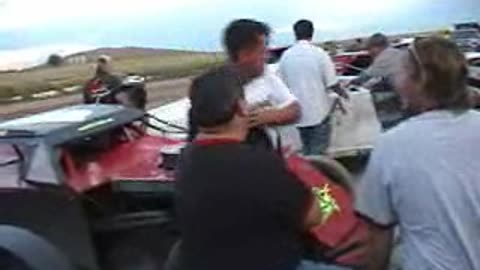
[
  {"x": 214, "y": 97},
  {"x": 303, "y": 29},
  {"x": 243, "y": 34},
  {"x": 378, "y": 40}
]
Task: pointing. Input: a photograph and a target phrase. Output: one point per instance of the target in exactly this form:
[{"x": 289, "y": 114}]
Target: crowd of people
[{"x": 239, "y": 205}]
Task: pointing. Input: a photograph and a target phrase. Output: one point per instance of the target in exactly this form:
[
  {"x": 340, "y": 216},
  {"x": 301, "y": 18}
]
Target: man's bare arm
[
  {"x": 272, "y": 116},
  {"x": 380, "y": 245}
]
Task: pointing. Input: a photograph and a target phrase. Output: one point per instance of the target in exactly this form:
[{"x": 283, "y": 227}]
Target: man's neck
[
  {"x": 222, "y": 133},
  {"x": 244, "y": 71},
  {"x": 304, "y": 40},
  {"x": 228, "y": 136}
]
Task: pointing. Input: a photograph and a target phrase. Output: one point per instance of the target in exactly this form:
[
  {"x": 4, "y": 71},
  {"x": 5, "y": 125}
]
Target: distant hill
[{"x": 130, "y": 52}]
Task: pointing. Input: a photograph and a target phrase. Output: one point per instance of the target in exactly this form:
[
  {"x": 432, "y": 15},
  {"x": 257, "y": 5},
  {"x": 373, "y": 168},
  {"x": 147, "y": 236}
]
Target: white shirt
[
  {"x": 269, "y": 90},
  {"x": 424, "y": 176},
  {"x": 308, "y": 71}
]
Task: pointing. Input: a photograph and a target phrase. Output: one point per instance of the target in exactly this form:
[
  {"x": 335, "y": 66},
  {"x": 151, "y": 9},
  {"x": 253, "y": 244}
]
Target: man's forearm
[
  {"x": 361, "y": 79},
  {"x": 286, "y": 115},
  {"x": 273, "y": 117}
]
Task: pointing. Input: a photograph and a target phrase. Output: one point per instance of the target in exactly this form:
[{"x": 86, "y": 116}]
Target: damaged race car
[
  {"x": 92, "y": 186},
  {"x": 92, "y": 183}
]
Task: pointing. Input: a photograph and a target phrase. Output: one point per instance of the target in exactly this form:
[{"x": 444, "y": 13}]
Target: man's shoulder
[
  {"x": 240, "y": 149},
  {"x": 402, "y": 134},
  {"x": 408, "y": 130},
  {"x": 390, "y": 52},
  {"x": 304, "y": 48},
  {"x": 268, "y": 78}
]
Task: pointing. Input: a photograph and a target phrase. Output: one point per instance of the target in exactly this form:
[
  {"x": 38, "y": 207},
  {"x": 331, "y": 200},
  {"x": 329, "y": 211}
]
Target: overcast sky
[{"x": 197, "y": 24}]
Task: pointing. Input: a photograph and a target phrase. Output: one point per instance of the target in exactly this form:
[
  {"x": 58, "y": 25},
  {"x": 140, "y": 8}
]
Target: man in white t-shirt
[
  {"x": 273, "y": 108},
  {"x": 310, "y": 74},
  {"x": 269, "y": 92}
]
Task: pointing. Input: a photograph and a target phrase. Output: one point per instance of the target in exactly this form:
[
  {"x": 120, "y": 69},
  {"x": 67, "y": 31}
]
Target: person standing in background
[
  {"x": 386, "y": 62},
  {"x": 309, "y": 72},
  {"x": 103, "y": 78}
]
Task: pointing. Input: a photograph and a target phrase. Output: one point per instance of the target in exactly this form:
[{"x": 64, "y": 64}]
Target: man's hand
[
  {"x": 261, "y": 117},
  {"x": 272, "y": 116}
]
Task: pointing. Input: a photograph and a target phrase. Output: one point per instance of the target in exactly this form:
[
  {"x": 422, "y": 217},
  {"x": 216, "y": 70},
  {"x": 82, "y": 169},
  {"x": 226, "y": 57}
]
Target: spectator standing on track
[
  {"x": 423, "y": 175},
  {"x": 309, "y": 72},
  {"x": 273, "y": 109}
]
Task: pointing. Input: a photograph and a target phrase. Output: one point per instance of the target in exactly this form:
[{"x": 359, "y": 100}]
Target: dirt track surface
[{"x": 159, "y": 93}]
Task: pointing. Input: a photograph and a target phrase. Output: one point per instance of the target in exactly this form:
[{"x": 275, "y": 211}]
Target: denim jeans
[
  {"x": 315, "y": 139},
  {"x": 308, "y": 265}
]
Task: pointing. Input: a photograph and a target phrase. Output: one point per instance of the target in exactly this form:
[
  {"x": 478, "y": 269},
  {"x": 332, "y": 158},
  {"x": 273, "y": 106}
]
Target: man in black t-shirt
[{"x": 238, "y": 206}]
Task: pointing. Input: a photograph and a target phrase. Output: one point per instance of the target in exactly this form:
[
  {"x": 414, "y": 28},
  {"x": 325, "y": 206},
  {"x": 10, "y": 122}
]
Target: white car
[
  {"x": 473, "y": 60},
  {"x": 355, "y": 126}
]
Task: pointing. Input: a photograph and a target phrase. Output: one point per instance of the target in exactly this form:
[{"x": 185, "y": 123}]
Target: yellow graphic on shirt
[{"x": 326, "y": 202}]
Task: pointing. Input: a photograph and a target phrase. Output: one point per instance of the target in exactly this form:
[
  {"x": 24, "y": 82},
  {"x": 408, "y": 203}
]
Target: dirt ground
[{"x": 159, "y": 93}]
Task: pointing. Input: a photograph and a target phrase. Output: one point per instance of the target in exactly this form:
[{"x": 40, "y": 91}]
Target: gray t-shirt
[
  {"x": 424, "y": 176},
  {"x": 385, "y": 65}
]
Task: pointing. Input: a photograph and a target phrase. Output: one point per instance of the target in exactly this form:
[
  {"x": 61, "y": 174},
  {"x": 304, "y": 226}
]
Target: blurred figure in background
[
  {"x": 103, "y": 79},
  {"x": 385, "y": 64},
  {"x": 424, "y": 175},
  {"x": 309, "y": 72}
]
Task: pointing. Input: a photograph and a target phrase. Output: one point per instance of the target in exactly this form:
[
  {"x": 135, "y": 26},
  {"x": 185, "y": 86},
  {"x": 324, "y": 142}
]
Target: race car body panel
[
  {"x": 138, "y": 160},
  {"x": 83, "y": 147}
]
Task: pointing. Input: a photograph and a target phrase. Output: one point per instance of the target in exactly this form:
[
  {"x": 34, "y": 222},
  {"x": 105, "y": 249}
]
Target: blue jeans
[
  {"x": 315, "y": 139},
  {"x": 308, "y": 265}
]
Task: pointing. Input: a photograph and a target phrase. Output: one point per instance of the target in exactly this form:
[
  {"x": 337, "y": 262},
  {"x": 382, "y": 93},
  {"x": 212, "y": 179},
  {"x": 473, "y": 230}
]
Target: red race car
[
  {"x": 91, "y": 182},
  {"x": 352, "y": 63},
  {"x": 95, "y": 187}
]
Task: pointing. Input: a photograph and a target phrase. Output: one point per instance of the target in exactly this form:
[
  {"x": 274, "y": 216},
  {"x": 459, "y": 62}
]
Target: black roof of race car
[{"x": 69, "y": 123}]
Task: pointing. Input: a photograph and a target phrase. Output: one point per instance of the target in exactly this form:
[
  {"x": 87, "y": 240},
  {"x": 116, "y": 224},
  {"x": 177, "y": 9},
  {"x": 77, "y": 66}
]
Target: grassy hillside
[{"x": 155, "y": 63}]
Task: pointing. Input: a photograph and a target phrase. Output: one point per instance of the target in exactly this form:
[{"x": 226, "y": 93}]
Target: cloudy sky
[{"x": 197, "y": 24}]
